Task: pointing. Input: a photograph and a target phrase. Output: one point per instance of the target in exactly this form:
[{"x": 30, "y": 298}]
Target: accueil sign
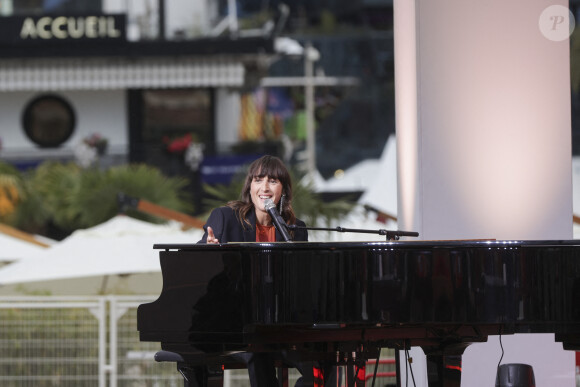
[{"x": 54, "y": 28}]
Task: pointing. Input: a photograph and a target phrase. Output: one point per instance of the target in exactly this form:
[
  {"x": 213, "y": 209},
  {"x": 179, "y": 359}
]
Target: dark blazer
[{"x": 227, "y": 228}]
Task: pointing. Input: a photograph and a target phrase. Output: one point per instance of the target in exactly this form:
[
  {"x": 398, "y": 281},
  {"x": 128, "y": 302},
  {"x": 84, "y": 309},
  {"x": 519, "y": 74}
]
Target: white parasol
[
  {"x": 120, "y": 246},
  {"x": 17, "y": 244}
]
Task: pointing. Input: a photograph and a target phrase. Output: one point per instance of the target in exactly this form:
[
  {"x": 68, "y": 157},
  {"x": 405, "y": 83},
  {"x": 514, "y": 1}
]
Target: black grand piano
[{"x": 338, "y": 303}]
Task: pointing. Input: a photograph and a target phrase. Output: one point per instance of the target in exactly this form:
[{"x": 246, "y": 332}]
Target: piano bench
[
  {"x": 193, "y": 376},
  {"x": 168, "y": 356}
]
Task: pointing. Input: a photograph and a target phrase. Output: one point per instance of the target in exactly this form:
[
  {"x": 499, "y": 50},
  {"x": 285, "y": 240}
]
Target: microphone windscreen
[{"x": 269, "y": 204}]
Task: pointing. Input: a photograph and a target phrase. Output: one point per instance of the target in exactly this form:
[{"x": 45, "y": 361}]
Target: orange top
[{"x": 265, "y": 233}]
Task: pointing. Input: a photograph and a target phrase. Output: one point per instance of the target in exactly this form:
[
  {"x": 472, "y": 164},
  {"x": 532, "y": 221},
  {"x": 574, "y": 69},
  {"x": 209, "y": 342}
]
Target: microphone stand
[{"x": 391, "y": 235}]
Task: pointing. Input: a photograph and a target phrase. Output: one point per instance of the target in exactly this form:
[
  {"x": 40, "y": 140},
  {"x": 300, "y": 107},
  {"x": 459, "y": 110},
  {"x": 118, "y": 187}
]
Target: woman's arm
[{"x": 214, "y": 227}]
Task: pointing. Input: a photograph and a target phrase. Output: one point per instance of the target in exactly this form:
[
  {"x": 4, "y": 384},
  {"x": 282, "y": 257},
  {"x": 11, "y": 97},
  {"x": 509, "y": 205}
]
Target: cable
[
  {"x": 406, "y": 368},
  {"x": 376, "y": 369},
  {"x": 410, "y": 367},
  {"x": 501, "y": 346}
]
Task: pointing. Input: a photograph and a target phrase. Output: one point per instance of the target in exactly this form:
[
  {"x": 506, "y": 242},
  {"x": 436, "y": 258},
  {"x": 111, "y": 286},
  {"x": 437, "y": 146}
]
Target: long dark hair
[{"x": 272, "y": 167}]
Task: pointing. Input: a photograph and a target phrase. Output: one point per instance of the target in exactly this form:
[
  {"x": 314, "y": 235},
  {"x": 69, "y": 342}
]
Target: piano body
[{"x": 339, "y": 303}]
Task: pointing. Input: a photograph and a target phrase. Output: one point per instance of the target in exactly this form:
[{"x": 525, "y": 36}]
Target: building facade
[{"x": 69, "y": 75}]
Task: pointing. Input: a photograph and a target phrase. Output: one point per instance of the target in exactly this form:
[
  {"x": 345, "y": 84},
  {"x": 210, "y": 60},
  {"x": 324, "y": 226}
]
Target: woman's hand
[{"x": 210, "y": 237}]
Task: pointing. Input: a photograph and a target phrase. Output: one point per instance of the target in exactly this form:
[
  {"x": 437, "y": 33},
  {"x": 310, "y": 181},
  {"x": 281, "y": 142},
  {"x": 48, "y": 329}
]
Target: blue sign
[{"x": 221, "y": 169}]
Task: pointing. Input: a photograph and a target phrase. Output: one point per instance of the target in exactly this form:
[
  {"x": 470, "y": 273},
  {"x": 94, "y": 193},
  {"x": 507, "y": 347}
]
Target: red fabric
[{"x": 265, "y": 233}]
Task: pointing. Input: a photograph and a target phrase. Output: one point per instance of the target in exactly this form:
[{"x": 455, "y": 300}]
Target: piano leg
[
  {"x": 309, "y": 374},
  {"x": 443, "y": 370},
  {"x": 261, "y": 370}
]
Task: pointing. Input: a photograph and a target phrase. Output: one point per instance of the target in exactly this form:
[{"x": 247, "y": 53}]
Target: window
[
  {"x": 39, "y": 7},
  {"x": 48, "y": 121}
]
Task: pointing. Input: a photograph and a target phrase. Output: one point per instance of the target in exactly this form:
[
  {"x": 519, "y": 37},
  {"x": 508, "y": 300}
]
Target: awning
[{"x": 119, "y": 73}]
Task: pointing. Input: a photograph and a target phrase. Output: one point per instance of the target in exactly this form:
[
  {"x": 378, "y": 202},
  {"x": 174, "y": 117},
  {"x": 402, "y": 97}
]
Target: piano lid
[{"x": 411, "y": 244}]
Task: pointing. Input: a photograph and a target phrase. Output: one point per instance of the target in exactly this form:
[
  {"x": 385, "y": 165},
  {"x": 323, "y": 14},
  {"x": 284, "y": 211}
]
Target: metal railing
[
  {"x": 48, "y": 341},
  {"x": 77, "y": 341}
]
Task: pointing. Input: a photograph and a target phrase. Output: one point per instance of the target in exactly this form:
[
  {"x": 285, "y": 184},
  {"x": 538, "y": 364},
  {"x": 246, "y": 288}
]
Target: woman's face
[{"x": 263, "y": 188}]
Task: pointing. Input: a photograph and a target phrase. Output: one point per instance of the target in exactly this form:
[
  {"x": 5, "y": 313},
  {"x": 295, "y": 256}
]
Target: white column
[
  {"x": 408, "y": 203},
  {"x": 310, "y": 56},
  {"x": 484, "y": 123},
  {"x": 484, "y": 138}
]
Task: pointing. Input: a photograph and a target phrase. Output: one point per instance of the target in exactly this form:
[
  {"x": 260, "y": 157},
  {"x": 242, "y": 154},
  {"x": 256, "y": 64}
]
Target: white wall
[
  {"x": 102, "y": 112},
  {"x": 192, "y": 17},
  {"x": 484, "y": 141},
  {"x": 227, "y": 117}
]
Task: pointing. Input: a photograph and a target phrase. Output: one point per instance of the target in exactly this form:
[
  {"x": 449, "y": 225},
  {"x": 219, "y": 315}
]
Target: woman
[{"x": 246, "y": 220}]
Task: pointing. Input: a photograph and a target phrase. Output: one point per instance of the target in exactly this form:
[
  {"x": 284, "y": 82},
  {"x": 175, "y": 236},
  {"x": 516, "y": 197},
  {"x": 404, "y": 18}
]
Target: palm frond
[
  {"x": 58, "y": 184},
  {"x": 312, "y": 209},
  {"x": 72, "y": 198}
]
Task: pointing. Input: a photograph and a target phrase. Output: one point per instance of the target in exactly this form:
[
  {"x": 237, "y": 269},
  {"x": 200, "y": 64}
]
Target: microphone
[{"x": 279, "y": 222}]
